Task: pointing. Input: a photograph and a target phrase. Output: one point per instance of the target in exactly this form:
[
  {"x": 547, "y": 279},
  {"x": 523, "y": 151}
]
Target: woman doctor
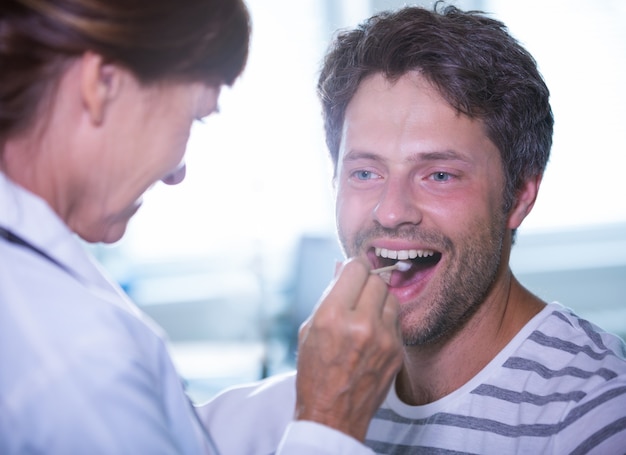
[{"x": 96, "y": 102}]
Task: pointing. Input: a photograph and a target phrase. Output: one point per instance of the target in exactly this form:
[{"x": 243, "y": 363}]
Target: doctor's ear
[
  {"x": 100, "y": 83},
  {"x": 524, "y": 201}
]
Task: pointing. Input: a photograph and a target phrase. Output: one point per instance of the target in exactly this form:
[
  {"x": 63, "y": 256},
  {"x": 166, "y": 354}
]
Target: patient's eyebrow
[
  {"x": 354, "y": 155},
  {"x": 437, "y": 155}
]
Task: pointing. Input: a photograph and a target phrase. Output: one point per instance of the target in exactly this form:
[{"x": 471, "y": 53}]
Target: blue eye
[
  {"x": 441, "y": 176},
  {"x": 363, "y": 175}
]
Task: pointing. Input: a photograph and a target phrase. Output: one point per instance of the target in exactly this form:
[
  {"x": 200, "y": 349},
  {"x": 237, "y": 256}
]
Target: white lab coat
[{"x": 81, "y": 369}]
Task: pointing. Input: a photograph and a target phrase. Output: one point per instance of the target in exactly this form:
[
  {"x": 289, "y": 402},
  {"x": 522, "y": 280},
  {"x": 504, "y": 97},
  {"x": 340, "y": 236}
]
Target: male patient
[{"x": 439, "y": 128}]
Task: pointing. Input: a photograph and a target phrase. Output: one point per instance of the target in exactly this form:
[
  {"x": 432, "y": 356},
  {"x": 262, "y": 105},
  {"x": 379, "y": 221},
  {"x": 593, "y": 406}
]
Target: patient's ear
[
  {"x": 524, "y": 201},
  {"x": 100, "y": 83}
]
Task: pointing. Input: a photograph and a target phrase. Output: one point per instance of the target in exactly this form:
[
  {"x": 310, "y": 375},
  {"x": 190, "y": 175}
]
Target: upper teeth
[{"x": 403, "y": 254}]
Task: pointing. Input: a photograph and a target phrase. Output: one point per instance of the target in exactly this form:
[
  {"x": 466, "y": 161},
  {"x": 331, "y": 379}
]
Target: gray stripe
[
  {"x": 390, "y": 416},
  {"x": 562, "y": 317},
  {"x": 601, "y": 436},
  {"x": 592, "y": 333},
  {"x": 581, "y": 410},
  {"x": 518, "y": 363},
  {"x": 396, "y": 449},
  {"x": 526, "y": 397},
  {"x": 513, "y": 431},
  {"x": 568, "y": 346}
]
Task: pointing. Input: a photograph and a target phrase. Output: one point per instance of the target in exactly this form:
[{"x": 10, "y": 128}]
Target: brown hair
[
  {"x": 473, "y": 61},
  {"x": 158, "y": 40}
]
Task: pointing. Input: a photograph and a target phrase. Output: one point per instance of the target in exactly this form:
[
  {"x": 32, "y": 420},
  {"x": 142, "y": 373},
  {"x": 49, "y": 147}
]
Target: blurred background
[{"x": 231, "y": 261}]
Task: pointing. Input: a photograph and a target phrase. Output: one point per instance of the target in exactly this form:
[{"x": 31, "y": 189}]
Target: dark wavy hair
[
  {"x": 476, "y": 65},
  {"x": 158, "y": 40}
]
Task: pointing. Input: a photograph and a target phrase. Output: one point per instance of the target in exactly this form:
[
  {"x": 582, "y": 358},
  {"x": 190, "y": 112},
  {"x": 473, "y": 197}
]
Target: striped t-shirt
[{"x": 559, "y": 387}]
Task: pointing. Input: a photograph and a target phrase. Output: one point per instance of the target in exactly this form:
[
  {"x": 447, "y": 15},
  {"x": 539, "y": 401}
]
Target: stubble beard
[{"x": 474, "y": 264}]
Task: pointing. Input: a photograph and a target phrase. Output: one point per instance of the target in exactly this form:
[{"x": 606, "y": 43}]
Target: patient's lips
[{"x": 175, "y": 177}]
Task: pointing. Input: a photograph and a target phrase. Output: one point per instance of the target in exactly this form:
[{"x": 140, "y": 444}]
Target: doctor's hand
[{"x": 350, "y": 350}]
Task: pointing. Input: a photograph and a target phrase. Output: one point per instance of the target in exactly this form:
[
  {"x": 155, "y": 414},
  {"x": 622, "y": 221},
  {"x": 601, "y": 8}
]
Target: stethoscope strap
[{"x": 17, "y": 240}]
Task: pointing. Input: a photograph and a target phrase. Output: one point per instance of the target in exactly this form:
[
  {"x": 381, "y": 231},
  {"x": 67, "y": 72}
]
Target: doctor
[{"x": 96, "y": 102}]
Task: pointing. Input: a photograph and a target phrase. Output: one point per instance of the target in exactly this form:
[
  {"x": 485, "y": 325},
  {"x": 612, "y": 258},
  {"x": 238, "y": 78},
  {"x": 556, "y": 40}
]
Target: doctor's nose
[{"x": 177, "y": 176}]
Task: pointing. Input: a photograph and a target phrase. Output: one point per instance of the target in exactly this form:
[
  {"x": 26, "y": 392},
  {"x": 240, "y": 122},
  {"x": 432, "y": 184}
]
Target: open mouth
[{"x": 420, "y": 260}]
